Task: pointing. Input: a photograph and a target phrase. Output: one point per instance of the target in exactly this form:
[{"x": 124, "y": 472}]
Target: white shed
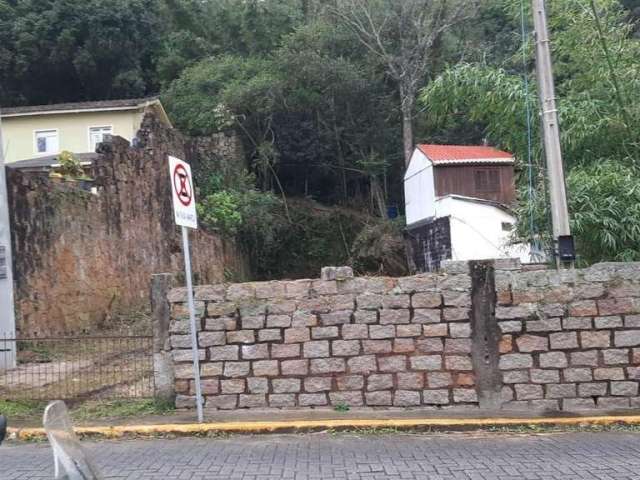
[
  {"x": 419, "y": 188},
  {"x": 457, "y": 202},
  {"x": 480, "y": 229}
]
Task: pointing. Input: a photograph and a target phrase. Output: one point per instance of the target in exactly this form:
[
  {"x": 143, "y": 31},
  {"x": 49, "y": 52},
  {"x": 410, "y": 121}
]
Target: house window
[
  {"x": 96, "y": 135},
  {"x": 46, "y": 141},
  {"x": 487, "y": 180}
]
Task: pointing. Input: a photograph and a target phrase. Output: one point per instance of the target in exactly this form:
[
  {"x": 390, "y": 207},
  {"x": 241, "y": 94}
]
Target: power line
[{"x": 525, "y": 41}]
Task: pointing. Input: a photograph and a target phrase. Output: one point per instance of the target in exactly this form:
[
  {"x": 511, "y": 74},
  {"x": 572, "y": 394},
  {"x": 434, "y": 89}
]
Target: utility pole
[
  {"x": 562, "y": 240},
  {"x": 7, "y": 313}
]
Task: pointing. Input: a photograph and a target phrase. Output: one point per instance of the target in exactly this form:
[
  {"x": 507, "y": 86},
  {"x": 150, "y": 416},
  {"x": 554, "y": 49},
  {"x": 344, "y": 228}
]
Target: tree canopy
[
  {"x": 62, "y": 50},
  {"x": 323, "y": 91}
]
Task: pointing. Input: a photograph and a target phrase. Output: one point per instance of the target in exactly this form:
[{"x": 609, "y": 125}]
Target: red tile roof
[{"x": 447, "y": 154}]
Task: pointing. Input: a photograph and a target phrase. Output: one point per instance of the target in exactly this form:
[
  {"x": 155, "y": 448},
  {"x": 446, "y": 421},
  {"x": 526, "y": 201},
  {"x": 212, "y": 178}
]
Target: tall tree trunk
[
  {"x": 341, "y": 159},
  {"x": 407, "y": 101},
  {"x": 378, "y": 198}
]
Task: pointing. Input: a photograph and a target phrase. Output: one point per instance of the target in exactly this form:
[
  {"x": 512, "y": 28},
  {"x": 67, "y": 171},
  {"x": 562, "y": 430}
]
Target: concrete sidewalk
[{"x": 267, "y": 421}]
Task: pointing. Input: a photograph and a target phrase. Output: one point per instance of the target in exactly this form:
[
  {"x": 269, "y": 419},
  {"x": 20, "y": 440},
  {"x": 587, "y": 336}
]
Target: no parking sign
[
  {"x": 184, "y": 211},
  {"x": 184, "y": 202}
]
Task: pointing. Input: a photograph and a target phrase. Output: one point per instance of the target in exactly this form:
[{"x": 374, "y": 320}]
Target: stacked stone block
[
  {"x": 570, "y": 340},
  {"x": 378, "y": 342}
]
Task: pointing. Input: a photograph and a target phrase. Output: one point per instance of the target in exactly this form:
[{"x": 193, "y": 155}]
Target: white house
[{"x": 457, "y": 201}]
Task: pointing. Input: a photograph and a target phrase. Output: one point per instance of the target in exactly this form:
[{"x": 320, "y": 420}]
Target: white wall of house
[
  {"x": 479, "y": 230},
  {"x": 419, "y": 189}
]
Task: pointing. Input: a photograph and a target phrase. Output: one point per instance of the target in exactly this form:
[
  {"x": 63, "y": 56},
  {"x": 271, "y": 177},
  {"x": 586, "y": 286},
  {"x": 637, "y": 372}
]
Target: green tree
[
  {"x": 63, "y": 50},
  {"x": 402, "y": 36},
  {"x": 329, "y": 80},
  {"x": 245, "y": 28},
  {"x": 213, "y": 94}
]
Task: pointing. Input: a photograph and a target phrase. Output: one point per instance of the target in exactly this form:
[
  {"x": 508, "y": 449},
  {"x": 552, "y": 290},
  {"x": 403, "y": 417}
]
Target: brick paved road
[{"x": 603, "y": 456}]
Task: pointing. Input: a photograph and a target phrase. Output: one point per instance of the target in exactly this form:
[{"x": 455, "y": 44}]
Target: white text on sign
[{"x": 182, "y": 193}]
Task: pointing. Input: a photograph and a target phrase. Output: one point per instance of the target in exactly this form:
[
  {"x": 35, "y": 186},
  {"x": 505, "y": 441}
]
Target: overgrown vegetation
[
  {"x": 21, "y": 409},
  {"x": 101, "y": 409},
  {"x": 322, "y": 99},
  {"x": 86, "y": 411},
  {"x": 293, "y": 238},
  {"x": 70, "y": 166}
]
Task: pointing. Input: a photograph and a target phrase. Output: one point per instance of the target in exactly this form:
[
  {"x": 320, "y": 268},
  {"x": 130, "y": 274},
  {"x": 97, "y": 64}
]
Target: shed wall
[
  {"x": 419, "y": 189},
  {"x": 461, "y": 180}
]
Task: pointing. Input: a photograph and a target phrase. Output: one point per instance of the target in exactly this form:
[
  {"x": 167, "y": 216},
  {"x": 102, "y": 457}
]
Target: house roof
[
  {"x": 98, "y": 105},
  {"x": 94, "y": 106},
  {"x": 48, "y": 161},
  {"x": 481, "y": 201},
  {"x": 464, "y": 154}
]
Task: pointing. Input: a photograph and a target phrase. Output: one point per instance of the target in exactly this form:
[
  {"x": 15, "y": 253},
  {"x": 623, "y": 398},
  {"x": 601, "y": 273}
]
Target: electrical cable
[{"x": 525, "y": 76}]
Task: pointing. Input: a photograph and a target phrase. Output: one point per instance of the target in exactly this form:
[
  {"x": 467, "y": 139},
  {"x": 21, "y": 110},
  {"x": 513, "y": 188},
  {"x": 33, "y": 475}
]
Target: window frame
[
  {"x": 489, "y": 188},
  {"x": 110, "y": 127},
  {"x": 35, "y": 141}
]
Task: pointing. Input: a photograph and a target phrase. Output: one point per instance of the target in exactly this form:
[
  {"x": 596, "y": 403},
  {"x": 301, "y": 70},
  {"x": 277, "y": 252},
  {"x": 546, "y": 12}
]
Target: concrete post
[
  {"x": 161, "y": 317},
  {"x": 7, "y": 311},
  {"x": 485, "y": 334},
  {"x": 550, "y": 124}
]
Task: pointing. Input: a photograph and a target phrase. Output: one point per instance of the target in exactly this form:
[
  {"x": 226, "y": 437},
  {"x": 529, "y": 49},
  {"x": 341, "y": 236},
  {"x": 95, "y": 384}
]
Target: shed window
[
  {"x": 507, "y": 226},
  {"x": 487, "y": 180},
  {"x": 46, "y": 141}
]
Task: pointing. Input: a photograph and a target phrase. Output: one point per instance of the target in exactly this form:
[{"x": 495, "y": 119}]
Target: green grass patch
[
  {"x": 100, "y": 409},
  {"x": 88, "y": 410},
  {"x": 21, "y": 408}
]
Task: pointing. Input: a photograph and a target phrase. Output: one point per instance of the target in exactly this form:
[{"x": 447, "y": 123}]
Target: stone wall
[
  {"x": 487, "y": 334},
  {"x": 374, "y": 341},
  {"x": 80, "y": 259},
  {"x": 570, "y": 341}
]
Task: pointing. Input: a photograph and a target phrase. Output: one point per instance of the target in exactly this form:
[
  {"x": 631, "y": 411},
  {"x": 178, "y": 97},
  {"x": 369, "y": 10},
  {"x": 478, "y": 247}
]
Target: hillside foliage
[{"x": 321, "y": 103}]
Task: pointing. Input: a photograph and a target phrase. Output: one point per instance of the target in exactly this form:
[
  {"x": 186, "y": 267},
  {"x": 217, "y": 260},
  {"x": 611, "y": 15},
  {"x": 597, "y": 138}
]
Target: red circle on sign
[{"x": 182, "y": 185}]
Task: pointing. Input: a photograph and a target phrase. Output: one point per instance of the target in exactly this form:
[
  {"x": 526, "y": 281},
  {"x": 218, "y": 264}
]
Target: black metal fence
[{"x": 74, "y": 368}]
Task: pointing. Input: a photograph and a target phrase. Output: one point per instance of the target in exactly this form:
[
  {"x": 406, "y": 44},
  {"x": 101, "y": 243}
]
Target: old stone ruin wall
[
  {"x": 487, "y": 334},
  {"x": 81, "y": 259}
]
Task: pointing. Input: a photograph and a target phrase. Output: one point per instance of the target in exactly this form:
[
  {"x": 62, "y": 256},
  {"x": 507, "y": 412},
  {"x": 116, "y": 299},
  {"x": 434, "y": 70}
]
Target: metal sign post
[
  {"x": 7, "y": 311},
  {"x": 184, "y": 209}
]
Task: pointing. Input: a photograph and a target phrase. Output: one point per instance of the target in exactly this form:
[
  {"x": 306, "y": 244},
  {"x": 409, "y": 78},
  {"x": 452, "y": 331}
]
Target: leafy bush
[
  {"x": 70, "y": 166},
  {"x": 208, "y": 95},
  {"x": 221, "y": 210},
  {"x": 604, "y": 208},
  {"x": 380, "y": 248},
  {"x": 256, "y": 219},
  {"x": 604, "y": 202},
  {"x": 277, "y": 247}
]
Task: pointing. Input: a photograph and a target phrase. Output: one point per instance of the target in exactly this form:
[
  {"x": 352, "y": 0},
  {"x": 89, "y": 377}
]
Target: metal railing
[{"x": 78, "y": 367}]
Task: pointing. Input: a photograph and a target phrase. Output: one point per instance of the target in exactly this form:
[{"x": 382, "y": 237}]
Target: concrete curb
[{"x": 440, "y": 424}]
